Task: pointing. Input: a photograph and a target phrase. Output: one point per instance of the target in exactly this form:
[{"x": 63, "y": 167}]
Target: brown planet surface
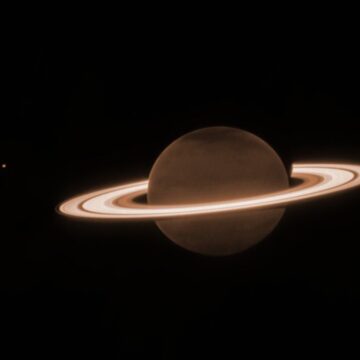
[{"x": 217, "y": 164}]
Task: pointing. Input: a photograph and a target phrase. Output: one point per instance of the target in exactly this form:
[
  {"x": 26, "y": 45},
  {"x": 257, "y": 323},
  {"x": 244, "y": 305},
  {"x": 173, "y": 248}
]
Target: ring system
[{"x": 119, "y": 202}]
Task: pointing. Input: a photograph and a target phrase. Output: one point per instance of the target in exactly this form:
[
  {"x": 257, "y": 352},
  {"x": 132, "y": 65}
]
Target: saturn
[{"x": 215, "y": 191}]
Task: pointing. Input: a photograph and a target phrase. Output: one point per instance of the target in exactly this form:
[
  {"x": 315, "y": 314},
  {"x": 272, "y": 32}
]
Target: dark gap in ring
[
  {"x": 295, "y": 182},
  {"x": 141, "y": 199}
]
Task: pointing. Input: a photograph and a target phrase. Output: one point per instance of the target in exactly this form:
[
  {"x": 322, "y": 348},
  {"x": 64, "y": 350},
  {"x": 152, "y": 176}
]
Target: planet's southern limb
[{"x": 118, "y": 202}]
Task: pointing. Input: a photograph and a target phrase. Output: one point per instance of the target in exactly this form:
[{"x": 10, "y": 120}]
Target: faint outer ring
[{"x": 119, "y": 202}]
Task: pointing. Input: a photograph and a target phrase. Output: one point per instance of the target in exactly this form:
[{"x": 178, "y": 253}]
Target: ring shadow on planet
[{"x": 217, "y": 164}]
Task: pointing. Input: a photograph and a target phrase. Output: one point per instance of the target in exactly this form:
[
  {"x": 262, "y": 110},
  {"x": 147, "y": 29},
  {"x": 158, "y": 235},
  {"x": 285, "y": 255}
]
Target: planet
[
  {"x": 217, "y": 164},
  {"x": 215, "y": 191}
]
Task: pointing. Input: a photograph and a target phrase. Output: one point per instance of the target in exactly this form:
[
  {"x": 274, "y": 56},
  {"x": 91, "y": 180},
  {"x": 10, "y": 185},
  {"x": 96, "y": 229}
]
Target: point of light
[{"x": 118, "y": 202}]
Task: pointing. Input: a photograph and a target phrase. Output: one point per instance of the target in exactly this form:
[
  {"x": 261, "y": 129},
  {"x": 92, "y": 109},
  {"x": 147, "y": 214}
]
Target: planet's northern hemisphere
[{"x": 217, "y": 164}]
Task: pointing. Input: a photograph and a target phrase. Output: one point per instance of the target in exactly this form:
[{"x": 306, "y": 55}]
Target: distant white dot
[{"x": 4, "y": 166}]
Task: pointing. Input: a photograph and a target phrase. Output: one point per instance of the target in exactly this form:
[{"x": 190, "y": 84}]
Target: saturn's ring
[{"x": 118, "y": 202}]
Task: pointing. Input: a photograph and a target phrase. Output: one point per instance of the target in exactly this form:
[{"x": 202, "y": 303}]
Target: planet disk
[{"x": 217, "y": 164}]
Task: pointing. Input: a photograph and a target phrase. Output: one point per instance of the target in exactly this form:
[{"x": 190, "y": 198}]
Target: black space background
[{"x": 82, "y": 113}]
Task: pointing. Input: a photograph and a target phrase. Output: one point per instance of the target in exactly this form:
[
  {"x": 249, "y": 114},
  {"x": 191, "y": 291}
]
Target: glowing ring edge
[{"x": 326, "y": 179}]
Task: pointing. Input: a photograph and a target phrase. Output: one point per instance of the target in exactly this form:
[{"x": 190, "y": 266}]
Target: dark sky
[{"x": 81, "y": 113}]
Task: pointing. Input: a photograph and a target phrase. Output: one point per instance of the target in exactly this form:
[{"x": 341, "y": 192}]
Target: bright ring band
[{"x": 118, "y": 202}]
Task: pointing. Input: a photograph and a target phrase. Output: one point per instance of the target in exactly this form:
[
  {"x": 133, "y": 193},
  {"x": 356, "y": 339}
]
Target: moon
[{"x": 217, "y": 164}]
